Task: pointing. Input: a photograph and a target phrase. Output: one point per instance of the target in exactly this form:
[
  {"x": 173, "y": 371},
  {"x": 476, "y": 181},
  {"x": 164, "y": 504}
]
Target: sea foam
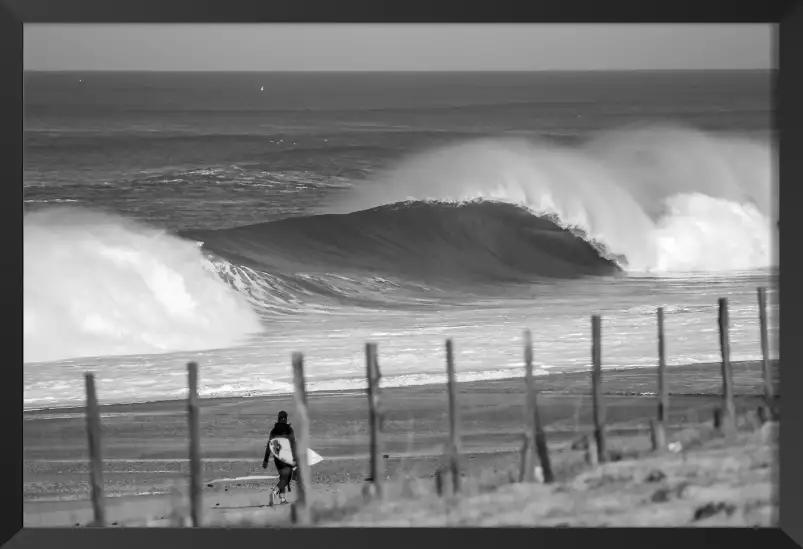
[{"x": 98, "y": 284}]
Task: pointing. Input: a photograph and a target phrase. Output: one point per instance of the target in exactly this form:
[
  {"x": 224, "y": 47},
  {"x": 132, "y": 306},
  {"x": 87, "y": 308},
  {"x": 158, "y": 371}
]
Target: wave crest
[{"x": 665, "y": 198}]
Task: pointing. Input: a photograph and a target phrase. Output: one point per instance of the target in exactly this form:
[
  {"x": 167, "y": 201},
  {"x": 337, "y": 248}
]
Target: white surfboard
[
  {"x": 242, "y": 479},
  {"x": 280, "y": 449}
]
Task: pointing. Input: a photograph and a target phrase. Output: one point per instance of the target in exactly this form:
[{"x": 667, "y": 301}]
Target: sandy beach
[{"x": 145, "y": 448}]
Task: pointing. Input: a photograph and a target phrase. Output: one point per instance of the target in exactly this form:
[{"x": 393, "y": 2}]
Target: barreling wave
[
  {"x": 421, "y": 242},
  {"x": 97, "y": 284},
  {"x": 662, "y": 199}
]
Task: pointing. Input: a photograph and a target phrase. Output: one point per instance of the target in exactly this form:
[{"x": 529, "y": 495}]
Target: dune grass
[{"x": 710, "y": 482}]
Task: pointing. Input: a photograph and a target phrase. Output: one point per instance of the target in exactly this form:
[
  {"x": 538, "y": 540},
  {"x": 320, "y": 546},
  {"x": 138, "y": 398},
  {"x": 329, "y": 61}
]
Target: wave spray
[
  {"x": 667, "y": 199},
  {"x": 97, "y": 284}
]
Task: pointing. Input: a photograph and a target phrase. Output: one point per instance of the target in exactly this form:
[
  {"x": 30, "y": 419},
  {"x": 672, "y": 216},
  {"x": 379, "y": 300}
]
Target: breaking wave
[
  {"x": 479, "y": 242},
  {"x": 440, "y": 225},
  {"x": 97, "y": 284},
  {"x": 663, "y": 199}
]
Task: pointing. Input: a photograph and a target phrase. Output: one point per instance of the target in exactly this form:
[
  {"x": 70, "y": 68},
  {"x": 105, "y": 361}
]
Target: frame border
[{"x": 789, "y": 122}]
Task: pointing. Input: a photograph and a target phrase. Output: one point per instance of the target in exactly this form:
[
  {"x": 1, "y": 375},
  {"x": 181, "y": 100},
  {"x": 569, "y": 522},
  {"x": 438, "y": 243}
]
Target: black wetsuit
[{"x": 281, "y": 429}]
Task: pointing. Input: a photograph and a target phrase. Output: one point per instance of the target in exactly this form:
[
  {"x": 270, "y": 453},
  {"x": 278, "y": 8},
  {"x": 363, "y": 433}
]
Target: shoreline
[{"x": 552, "y": 377}]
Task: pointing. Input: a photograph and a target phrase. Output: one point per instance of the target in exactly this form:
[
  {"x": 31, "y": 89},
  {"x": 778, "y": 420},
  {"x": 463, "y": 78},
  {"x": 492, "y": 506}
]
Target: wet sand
[{"x": 145, "y": 445}]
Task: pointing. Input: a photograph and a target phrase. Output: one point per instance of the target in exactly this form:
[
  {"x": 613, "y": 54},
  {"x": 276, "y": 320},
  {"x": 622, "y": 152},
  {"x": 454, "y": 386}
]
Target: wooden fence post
[
  {"x": 728, "y": 409},
  {"x": 439, "y": 484},
  {"x": 535, "y": 436},
  {"x": 761, "y": 415},
  {"x": 527, "y": 465},
  {"x": 527, "y": 470},
  {"x": 374, "y": 419},
  {"x": 196, "y": 504},
  {"x": 454, "y": 435},
  {"x": 95, "y": 454},
  {"x": 592, "y": 453},
  {"x": 765, "y": 352},
  {"x": 659, "y": 430},
  {"x": 301, "y": 513},
  {"x": 596, "y": 387}
]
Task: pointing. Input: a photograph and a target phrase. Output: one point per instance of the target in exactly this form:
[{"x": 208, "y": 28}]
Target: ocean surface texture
[{"x": 232, "y": 219}]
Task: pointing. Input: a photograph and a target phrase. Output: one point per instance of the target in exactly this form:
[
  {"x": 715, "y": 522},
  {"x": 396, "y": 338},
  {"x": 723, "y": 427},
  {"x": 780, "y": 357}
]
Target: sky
[{"x": 388, "y": 47}]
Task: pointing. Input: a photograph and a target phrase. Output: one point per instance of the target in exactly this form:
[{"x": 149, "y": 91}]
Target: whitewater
[
  {"x": 667, "y": 199},
  {"x": 474, "y": 240}
]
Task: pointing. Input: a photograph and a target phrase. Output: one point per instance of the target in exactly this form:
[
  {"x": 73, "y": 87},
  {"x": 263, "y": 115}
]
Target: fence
[{"x": 535, "y": 444}]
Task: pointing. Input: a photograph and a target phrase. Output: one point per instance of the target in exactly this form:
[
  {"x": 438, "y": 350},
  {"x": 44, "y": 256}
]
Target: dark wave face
[{"x": 434, "y": 243}]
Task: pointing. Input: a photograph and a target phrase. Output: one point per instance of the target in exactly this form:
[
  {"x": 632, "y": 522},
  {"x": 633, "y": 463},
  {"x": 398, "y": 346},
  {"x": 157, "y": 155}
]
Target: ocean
[{"x": 234, "y": 218}]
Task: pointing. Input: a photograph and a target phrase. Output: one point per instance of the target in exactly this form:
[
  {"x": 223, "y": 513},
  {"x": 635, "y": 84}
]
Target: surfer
[{"x": 280, "y": 429}]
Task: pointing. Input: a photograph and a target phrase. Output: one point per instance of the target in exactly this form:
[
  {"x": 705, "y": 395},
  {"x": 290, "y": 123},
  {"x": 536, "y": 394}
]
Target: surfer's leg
[
  {"x": 284, "y": 482},
  {"x": 284, "y": 478}
]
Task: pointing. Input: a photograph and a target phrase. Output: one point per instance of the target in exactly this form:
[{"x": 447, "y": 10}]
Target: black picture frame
[{"x": 789, "y": 123}]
